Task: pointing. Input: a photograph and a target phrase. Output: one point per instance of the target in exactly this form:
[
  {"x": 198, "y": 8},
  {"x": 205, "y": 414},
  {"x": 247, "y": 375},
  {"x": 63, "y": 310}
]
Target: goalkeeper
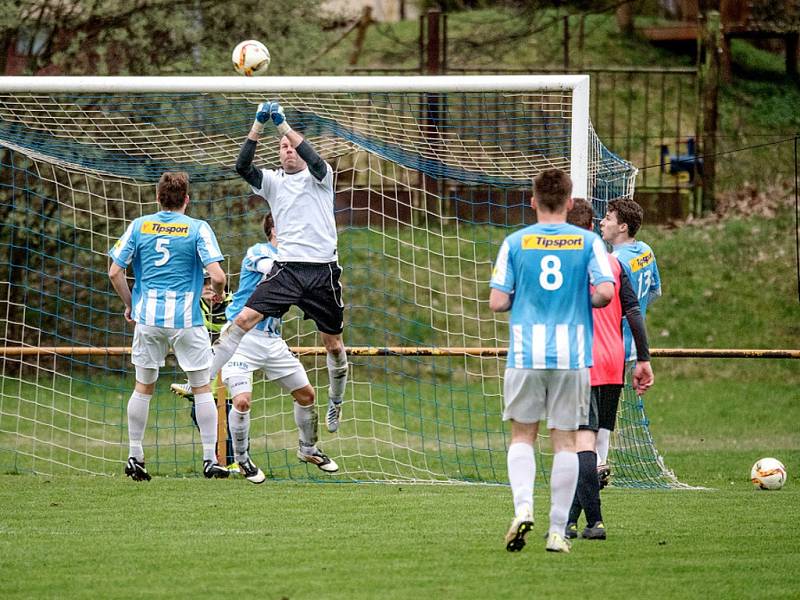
[
  {"x": 306, "y": 270},
  {"x": 264, "y": 349}
]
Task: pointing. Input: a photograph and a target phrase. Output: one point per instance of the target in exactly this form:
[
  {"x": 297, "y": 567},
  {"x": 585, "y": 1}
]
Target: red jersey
[{"x": 608, "y": 352}]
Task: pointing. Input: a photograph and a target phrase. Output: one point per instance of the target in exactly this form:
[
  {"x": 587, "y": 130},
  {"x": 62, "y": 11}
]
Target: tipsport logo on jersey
[
  {"x": 552, "y": 242},
  {"x": 172, "y": 229},
  {"x": 638, "y": 263}
]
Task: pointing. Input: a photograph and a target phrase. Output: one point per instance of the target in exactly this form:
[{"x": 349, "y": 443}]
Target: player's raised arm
[{"x": 244, "y": 163}]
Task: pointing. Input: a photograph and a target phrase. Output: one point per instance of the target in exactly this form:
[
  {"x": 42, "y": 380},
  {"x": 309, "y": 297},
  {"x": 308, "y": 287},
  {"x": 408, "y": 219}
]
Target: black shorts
[
  {"x": 603, "y": 407},
  {"x": 312, "y": 287}
]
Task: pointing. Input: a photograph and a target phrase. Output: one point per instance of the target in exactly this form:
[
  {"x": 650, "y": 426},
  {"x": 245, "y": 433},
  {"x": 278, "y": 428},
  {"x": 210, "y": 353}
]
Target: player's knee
[
  {"x": 563, "y": 440},
  {"x": 198, "y": 379},
  {"x": 304, "y": 396},
  {"x": 239, "y": 386},
  {"x": 248, "y": 318},
  {"x": 146, "y": 377},
  {"x": 242, "y": 402},
  {"x": 333, "y": 345}
]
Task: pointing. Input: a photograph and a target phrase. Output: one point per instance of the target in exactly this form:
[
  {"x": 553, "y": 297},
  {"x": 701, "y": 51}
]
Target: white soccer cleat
[
  {"x": 520, "y": 526},
  {"x": 184, "y": 390},
  {"x": 251, "y": 472},
  {"x": 318, "y": 458},
  {"x": 333, "y": 415},
  {"x": 557, "y": 543}
]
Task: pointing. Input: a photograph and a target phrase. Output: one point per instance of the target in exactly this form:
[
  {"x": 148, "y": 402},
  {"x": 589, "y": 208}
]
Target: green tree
[{"x": 146, "y": 37}]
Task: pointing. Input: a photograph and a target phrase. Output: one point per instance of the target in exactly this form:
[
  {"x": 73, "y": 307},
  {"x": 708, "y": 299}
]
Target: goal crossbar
[{"x": 411, "y": 83}]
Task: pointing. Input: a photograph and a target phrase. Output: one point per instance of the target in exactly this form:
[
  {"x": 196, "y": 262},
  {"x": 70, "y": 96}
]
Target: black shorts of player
[
  {"x": 312, "y": 287},
  {"x": 603, "y": 407}
]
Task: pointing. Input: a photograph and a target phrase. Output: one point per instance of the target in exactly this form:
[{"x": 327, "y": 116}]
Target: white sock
[
  {"x": 306, "y": 419},
  {"x": 337, "y": 375},
  {"x": 225, "y": 347},
  {"x": 239, "y": 424},
  {"x": 563, "y": 482},
  {"x": 521, "y": 475},
  {"x": 205, "y": 411},
  {"x": 138, "y": 407},
  {"x": 603, "y": 442}
]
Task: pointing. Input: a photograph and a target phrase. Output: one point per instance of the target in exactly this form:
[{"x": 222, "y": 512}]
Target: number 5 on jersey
[{"x": 161, "y": 248}]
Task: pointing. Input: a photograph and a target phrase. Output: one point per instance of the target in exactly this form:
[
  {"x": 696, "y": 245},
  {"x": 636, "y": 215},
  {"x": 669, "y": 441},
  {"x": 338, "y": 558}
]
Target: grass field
[
  {"x": 111, "y": 538},
  {"x": 187, "y": 537}
]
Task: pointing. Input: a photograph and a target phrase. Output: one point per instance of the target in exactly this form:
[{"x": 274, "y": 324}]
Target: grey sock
[
  {"x": 306, "y": 419},
  {"x": 239, "y": 424}
]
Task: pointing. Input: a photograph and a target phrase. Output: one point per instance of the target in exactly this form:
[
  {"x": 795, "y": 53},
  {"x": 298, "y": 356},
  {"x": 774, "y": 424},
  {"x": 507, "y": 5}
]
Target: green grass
[
  {"x": 111, "y": 538},
  {"x": 730, "y": 284}
]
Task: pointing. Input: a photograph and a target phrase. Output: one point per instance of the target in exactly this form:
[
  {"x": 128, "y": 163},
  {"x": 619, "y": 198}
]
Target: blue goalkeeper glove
[
  {"x": 279, "y": 118},
  {"x": 262, "y": 116}
]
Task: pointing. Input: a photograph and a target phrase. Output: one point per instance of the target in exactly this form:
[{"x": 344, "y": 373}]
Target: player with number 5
[
  {"x": 168, "y": 251},
  {"x": 542, "y": 275}
]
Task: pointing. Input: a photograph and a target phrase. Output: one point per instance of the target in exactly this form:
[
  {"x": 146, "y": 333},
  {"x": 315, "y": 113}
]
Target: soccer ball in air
[
  {"x": 250, "y": 57},
  {"x": 768, "y": 474}
]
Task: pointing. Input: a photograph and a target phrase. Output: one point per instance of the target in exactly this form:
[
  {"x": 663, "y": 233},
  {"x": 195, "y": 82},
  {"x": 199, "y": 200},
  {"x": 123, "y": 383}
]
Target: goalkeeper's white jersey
[{"x": 302, "y": 208}]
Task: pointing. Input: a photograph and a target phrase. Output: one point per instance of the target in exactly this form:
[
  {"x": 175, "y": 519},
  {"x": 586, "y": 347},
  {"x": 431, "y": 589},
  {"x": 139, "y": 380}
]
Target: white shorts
[
  {"x": 191, "y": 346},
  {"x": 257, "y": 350},
  {"x": 561, "y": 395}
]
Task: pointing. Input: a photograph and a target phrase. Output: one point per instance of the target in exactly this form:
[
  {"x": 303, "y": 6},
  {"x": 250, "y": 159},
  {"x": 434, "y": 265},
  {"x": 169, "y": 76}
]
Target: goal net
[{"x": 431, "y": 173}]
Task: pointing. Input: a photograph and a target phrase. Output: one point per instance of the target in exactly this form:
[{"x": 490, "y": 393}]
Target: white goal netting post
[{"x": 431, "y": 174}]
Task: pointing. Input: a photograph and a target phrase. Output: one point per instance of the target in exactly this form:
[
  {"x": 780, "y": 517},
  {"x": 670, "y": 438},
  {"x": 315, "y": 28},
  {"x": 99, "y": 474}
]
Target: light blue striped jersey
[
  {"x": 168, "y": 251},
  {"x": 255, "y": 265},
  {"x": 547, "y": 269},
  {"x": 639, "y": 262}
]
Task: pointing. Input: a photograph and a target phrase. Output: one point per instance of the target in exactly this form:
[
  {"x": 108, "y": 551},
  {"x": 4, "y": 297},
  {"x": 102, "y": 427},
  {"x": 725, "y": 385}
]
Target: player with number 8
[{"x": 542, "y": 275}]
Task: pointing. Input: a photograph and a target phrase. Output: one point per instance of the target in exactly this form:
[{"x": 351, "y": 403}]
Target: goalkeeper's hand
[
  {"x": 262, "y": 116},
  {"x": 279, "y": 118}
]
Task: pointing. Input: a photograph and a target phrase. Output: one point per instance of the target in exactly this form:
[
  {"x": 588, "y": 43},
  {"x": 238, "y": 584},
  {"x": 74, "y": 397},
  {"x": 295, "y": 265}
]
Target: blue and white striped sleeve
[
  {"x": 122, "y": 251},
  {"x": 503, "y": 272},
  {"x": 599, "y": 267},
  {"x": 258, "y": 260},
  {"x": 207, "y": 246}
]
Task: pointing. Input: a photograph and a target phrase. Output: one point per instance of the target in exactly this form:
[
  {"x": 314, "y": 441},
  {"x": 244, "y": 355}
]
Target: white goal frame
[{"x": 577, "y": 84}]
